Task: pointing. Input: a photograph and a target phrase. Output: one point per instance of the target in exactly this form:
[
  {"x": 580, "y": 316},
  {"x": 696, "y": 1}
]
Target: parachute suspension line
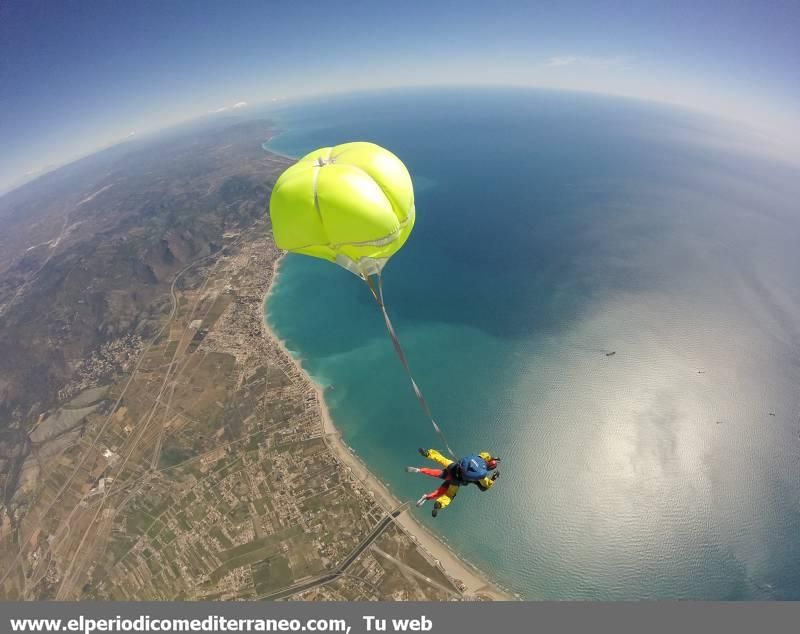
[{"x": 377, "y": 293}]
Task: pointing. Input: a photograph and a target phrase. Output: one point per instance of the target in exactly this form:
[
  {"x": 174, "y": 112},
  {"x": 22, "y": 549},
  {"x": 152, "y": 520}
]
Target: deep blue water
[{"x": 553, "y": 228}]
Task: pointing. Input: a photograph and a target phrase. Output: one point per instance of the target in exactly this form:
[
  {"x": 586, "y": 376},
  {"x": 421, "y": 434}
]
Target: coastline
[
  {"x": 265, "y": 144},
  {"x": 474, "y": 582}
]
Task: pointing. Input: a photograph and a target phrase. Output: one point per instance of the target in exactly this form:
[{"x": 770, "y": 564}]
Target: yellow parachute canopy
[{"x": 352, "y": 204}]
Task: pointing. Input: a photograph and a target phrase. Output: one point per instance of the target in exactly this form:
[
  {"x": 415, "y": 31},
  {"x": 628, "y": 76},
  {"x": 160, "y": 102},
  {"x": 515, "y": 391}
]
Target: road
[
  {"x": 341, "y": 569},
  {"x": 413, "y": 572},
  {"x": 88, "y": 452},
  {"x": 67, "y": 576}
]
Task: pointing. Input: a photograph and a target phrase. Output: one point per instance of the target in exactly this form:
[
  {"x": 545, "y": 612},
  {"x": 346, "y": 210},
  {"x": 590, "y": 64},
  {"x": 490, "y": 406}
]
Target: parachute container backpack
[
  {"x": 353, "y": 205},
  {"x": 473, "y": 468}
]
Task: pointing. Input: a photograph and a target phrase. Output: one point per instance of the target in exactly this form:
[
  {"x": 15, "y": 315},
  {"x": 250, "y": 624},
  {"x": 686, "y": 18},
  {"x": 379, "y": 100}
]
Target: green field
[{"x": 252, "y": 552}]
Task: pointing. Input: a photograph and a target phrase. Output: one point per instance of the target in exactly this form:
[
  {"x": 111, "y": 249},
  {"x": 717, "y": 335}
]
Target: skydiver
[{"x": 473, "y": 469}]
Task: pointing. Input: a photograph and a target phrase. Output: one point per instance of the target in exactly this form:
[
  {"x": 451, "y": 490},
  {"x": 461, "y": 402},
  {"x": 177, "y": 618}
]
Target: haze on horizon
[{"x": 76, "y": 77}]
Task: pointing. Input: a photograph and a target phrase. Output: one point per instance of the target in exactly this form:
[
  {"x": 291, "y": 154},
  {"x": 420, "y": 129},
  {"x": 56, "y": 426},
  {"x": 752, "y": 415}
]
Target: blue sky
[{"x": 75, "y": 76}]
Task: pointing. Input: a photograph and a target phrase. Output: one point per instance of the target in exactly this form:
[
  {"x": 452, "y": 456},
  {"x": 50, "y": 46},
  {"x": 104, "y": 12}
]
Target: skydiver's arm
[{"x": 484, "y": 484}]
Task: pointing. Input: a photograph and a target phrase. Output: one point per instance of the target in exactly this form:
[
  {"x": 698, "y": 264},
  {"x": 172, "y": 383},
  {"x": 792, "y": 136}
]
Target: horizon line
[{"x": 277, "y": 101}]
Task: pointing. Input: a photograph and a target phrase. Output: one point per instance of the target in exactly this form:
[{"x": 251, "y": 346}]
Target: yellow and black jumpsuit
[{"x": 445, "y": 493}]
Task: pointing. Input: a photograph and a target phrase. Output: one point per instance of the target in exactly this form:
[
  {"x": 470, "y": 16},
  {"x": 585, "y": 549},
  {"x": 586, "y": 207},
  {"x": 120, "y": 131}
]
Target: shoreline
[
  {"x": 264, "y": 147},
  {"x": 475, "y": 583}
]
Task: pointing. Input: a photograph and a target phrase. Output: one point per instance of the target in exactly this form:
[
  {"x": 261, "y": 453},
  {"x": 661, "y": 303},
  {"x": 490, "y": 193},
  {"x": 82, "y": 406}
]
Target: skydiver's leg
[
  {"x": 434, "y": 473},
  {"x": 442, "y": 490},
  {"x": 449, "y": 491},
  {"x": 437, "y": 457},
  {"x": 433, "y": 494}
]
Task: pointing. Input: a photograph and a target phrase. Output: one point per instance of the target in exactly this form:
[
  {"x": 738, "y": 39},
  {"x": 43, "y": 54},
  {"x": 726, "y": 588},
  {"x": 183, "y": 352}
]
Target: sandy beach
[{"x": 475, "y": 583}]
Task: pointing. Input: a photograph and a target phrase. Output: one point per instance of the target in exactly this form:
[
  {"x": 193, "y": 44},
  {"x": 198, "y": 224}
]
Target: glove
[
  {"x": 423, "y": 452},
  {"x": 495, "y": 475}
]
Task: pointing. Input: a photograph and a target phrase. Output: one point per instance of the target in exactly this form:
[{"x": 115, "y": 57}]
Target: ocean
[{"x": 554, "y": 229}]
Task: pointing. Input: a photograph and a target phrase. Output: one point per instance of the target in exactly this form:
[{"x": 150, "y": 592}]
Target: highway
[{"x": 343, "y": 566}]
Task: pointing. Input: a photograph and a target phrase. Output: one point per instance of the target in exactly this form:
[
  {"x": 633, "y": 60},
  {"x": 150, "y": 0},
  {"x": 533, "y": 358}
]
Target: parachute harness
[{"x": 377, "y": 293}]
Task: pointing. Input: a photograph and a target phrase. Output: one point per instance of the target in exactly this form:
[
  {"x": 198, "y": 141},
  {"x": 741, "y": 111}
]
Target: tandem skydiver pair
[{"x": 472, "y": 469}]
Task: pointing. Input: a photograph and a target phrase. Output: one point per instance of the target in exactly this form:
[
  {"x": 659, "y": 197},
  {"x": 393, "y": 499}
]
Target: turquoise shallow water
[{"x": 553, "y": 228}]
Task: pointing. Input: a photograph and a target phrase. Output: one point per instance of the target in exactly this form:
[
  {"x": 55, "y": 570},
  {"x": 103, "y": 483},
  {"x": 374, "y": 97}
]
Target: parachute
[{"x": 351, "y": 204}]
